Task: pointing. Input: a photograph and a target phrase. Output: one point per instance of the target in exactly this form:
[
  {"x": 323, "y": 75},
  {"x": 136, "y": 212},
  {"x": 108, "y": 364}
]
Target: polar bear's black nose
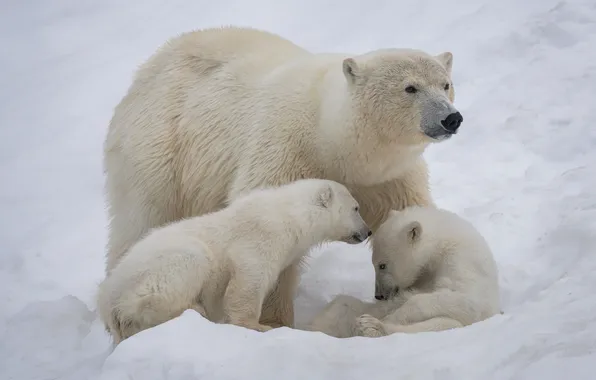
[
  {"x": 452, "y": 122},
  {"x": 379, "y": 297},
  {"x": 361, "y": 235}
]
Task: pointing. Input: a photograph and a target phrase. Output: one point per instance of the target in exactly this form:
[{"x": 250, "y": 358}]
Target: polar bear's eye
[
  {"x": 411, "y": 89},
  {"x": 356, "y": 209},
  {"x": 447, "y": 87},
  {"x": 382, "y": 266}
]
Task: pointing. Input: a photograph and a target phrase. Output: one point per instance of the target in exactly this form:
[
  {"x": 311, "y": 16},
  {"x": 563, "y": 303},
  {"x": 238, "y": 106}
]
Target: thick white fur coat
[
  {"x": 223, "y": 264},
  {"x": 218, "y": 112},
  {"x": 439, "y": 273}
]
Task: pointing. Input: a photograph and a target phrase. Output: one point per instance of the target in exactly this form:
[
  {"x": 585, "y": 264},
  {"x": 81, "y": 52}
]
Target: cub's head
[
  {"x": 405, "y": 94},
  {"x": 339, "y": 213},
  {"x": 399, "y": 248}
]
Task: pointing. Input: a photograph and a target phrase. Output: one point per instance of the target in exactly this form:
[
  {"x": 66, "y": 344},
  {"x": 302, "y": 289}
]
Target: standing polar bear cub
[
  {"x": 223, "y": 264},
  {"x": 218, "y": 112},
  {"x": 434, "y": 271}
]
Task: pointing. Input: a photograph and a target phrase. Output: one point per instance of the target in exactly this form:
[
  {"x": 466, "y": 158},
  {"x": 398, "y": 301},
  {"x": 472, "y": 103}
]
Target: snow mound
[
  {"x": 53, "y": 339},
  {"x": 523, "y": 170},
  {"x": 190, "y": 347}
]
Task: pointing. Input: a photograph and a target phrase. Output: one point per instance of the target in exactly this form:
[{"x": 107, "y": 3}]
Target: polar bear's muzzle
[
  {"x": 440, "y": 119},
  {"x": 385, "y": 293},
  {"x": 360, "y": 236}
]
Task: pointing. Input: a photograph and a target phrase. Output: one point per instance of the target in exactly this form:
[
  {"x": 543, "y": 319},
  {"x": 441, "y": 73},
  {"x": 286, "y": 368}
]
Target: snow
[{"x": 523, "y": 169}]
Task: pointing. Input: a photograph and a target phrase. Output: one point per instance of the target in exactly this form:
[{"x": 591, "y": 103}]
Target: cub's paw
[
  {"x": 369, "y": 326},
  {"x": 262, "y": 328},
  {"x": 252, "y": 326}
]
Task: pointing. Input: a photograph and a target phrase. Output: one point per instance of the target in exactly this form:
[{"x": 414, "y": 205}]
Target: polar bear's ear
[
  {"x": 413, "y": 231},
  {"x": 446, "y": 60},
  {"x": 351, "y": 70},
  {"x": 325, "y": 196}
]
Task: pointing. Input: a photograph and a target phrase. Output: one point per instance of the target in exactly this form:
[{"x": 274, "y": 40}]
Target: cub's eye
[
  {"x": 447, "y": 87},
  {"x": 411, "y": 89},
  {"x": 356, "y": 208},
  {"x": 382, "y": 266}
]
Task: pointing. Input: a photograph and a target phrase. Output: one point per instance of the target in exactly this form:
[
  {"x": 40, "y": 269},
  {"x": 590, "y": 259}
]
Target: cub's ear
[
  {"x": 351, "y": 70},
  {"x": 325, "y": 196},
  {"x": 446, "y": 59},
  {"x": 413, "y": 231}
]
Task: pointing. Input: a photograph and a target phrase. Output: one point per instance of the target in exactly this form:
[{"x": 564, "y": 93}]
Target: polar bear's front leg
[
  {"x": 278, "y": 307},
  {"x": 369, "y": 326},
  {"x": 243, "y": 301},
  {"x": 433, "y": 324},
  {"x": 441, "y": 303}
]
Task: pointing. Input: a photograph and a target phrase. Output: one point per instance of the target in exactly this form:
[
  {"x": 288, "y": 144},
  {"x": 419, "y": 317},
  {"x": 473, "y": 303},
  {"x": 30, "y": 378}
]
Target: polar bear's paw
[
  {"x": 369, "y": 326},
  {"x": 254, "y": 326}
]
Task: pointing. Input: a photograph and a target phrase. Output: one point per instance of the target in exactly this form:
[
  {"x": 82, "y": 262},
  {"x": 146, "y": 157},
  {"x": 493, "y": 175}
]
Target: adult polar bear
[{"x": 218, "y": 112}]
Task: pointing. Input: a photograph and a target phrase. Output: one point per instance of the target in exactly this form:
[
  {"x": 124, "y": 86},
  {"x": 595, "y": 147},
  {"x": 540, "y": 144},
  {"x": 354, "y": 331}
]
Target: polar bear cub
[
  {"x": 224, "y": 263},
  {"x": 433, "y": 271}
]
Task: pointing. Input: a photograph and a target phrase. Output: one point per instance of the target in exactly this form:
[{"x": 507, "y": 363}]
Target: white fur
[
  {"x": 443, "y": 267},
  {"x": 223, "y": 264},
  {"x": 218, "y": 112}
]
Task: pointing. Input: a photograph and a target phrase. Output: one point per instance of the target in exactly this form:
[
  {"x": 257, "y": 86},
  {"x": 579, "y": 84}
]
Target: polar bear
[
  {"x": 224, "y": 263},
  {"x": 217, "y": 112},
  {"x": 434, "y": 271}
]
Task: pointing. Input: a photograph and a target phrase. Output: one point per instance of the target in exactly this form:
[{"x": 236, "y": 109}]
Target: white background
[{"x": 522, "y": 168}]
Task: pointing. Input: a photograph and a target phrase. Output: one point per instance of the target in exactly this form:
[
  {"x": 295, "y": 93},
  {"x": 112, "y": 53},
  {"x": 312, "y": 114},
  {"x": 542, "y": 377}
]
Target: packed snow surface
[{"x": 523, "y": 169}]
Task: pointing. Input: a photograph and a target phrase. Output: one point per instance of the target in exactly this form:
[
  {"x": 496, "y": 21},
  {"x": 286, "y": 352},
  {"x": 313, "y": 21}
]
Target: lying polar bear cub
[
  {"x": 434, "y": 271},
  {"x": 223, "y": 264}
]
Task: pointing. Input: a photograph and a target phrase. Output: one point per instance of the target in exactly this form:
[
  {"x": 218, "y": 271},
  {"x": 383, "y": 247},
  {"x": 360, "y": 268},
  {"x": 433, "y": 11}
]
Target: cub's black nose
[
  {"x": 452, "y": 122},
  {"x": 357, "y": 238},
  {"x": 361, "y": 235},
  {"x": 379, "y": 297}
]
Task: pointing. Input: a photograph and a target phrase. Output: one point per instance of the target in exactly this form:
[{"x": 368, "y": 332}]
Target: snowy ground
[{"x": 523, "y": 169}]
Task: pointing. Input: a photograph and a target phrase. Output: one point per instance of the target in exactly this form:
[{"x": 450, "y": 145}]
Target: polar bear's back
[
  {"x": 179, "y": 130},
  {"x": 236, "y": 50}
]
